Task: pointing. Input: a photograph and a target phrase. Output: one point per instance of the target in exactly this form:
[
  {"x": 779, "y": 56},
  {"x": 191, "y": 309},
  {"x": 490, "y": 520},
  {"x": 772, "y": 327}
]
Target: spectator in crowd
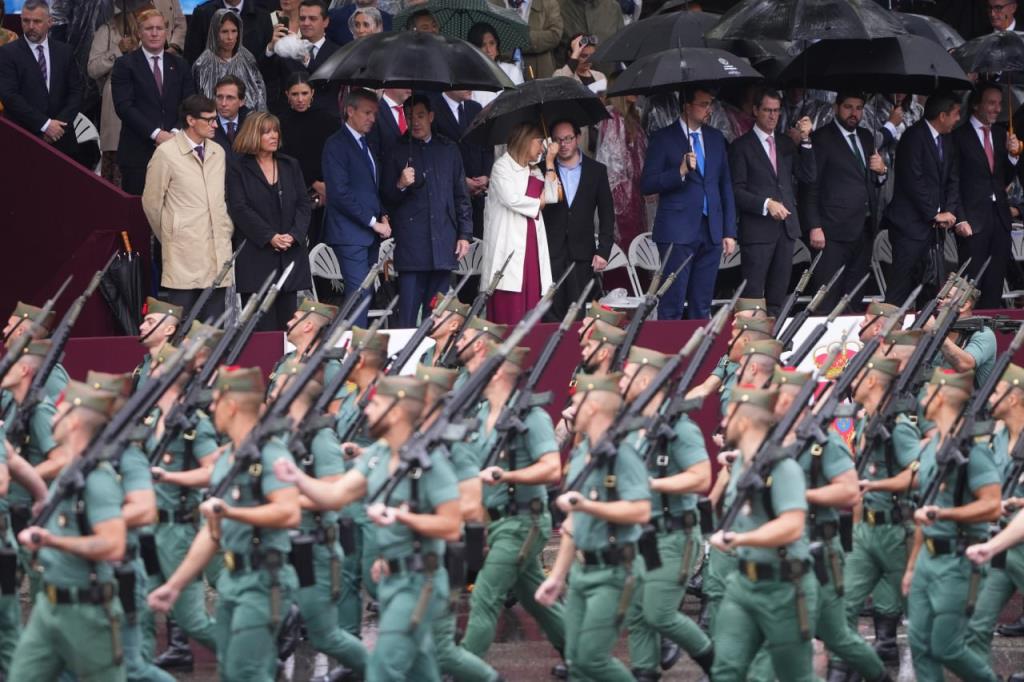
[
  {"x": 269, "y": 206},
  {"x": 147, "y": 85},
  {"x": 578, "y": 68},
  {"x": 391, "y": 123},
  {"x": 230, "y": 96},
  {"x": 569, "y": 222},
  {"x": 40, "y": 84},
  {"x": 987, "y": 155},
  {"x": 313, "y": 23},
  {"x": 287, "y": 15},
  {"x": 354, "y": 222},
  {"x": 117, "y": 37},
  {"x": 185, "y": 205},
  {"x": 514, "y": 224},
  {"x": 484, "y": 37},
  {"x": 888, "y": 116},
  {"x": 798, "y": 103},
  {"x": 687, "y": 167},
  {"x": 345, "y": 26},
  {"x": 926, "y": 199},
  {"x": 6, "y": 35},
  {"x": 739, "y": 114},
  {"x": 307, "y": 130},
  {"x": 258, "y": 29},
  {"x": 225, "y": 56},
  {"x": 842, "y": 202},
  {"x": 453, "y": 112},
  {"x": 428, "y": 201},
  {"x": 423, "y": 21},
  {"x": 545, "y": 20},
  {"x": 600, "y": 19},
  {"x": 622, "y": 147},
  {"x": 765, "y": 168},
  {"x": 1002, "y": 15},
  {"x": 177, "y": 26}
]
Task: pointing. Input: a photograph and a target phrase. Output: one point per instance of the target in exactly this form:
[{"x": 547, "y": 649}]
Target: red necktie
[
  {"x": 989, "y": 154},
  {"x": 400, "y": 114}
]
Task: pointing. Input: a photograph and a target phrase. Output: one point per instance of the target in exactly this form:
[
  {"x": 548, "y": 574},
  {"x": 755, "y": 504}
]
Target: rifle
[
  {"x": 193, "y": 312},
  {"x": 787, "y": 307},
  {"x": 345, "y": 310},
  {"x": 974, "y": 324},
  {"x": 15, "y": 349},
  {"x": 447, "y": 357},
  {"x": 929, "y": 309},
  {"x": 808, "y": 345},
  {"x": 786, "y": 338},
  {"x": 401, "y": 359},
  {"x": 249, "y": 325}
]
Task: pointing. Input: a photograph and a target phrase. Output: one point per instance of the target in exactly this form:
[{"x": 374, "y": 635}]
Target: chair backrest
[
  {"x": 85, "y": 130},
  {"x": 801, "y": 254},
  {"x": 471, "y": 263},
  {"x": 1017, "y": 242},
  {"x": 882, "y": 249},
  {"x": 643, "y": 253},
  {"x": 387, "y": 249},
  {"x": 729, "y": 261},
  {"x": 323, "y": 262},
  {"x": 616, "y": 259}
]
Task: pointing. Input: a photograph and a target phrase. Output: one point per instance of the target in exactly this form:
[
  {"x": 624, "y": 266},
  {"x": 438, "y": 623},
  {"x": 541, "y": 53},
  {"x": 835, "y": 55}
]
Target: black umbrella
[
  {"x": 671, "y": 70},
  {"x": 682, "y": 29},
  {"x": 898, "y": 64},
  {"x": 544, "y": 100},
  {"x": 807, "y": 20},
  {"x": 121, "y": 288},
  {"x": 413, "y": 59},
  {"x": 1000, "y": 52},
  {"x": 931, "y": 28}
]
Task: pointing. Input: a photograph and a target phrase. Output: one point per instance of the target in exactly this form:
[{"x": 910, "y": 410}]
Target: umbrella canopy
[
  {"x": 413, "y": 59},
  {"x": 899, "y": 64},
  {"x": 992, "y": 53},
  {"x": 670, "y": 70},
  {"x": 932, "y": 29},
  {"x": 544, "y": 100},
  {"x": 682, "y": 29},
  {"x": 456, "y": 17},
  {"x": 807, "y": 20}
]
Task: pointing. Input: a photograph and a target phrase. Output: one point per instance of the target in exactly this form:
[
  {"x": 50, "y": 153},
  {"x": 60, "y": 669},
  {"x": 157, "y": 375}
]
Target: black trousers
[
  {"x": 993, "y": 241},
  {"x": 856, "y": 256},
  {"x": 573, "y": 286},
  {"x": 909, "y": 257},
  {"x": 767, "y": 269},
  {"x": 276, "y": 319},
  {"x": 186, "y": 298},
  {"x": 133, "y": 179}
]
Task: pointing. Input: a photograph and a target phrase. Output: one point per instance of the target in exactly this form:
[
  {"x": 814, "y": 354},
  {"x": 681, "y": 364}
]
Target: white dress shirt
[
  {"x": 762, "y": 137},
  {"x": 452, "y": 104}
]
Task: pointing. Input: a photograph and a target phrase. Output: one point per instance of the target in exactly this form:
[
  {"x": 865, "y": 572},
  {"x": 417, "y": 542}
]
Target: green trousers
[
  {"x": 1000, "y": 584},
  {"x": 454, "y": 660},
  {"x": 10, "y": 613},
  {"x": 138, "y": 662},
  {"x": 78, "y": 638},
  {"x": 717, "y": 569},
  {"x": 592, "y": 623},
  {"x": 763, "y": 613},
  {"x": 875, "y": 567},
  {"x": 356, "y": 574},
  {"x": 319, "y": 607},
  {"x": 245, "y": 629},
  {"x": 938, "y": 620},
  {"x": 502, "y": 573},
  {"x": 655, "y": 610},
  {"x": 405, "y": 650}
]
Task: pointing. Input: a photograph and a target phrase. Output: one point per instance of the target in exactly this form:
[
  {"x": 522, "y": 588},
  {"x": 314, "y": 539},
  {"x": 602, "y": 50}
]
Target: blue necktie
[
  {"x": 938, "y": 145},
  {"x": 369, "y": 157},
  {"x": 698, "y": 149}
]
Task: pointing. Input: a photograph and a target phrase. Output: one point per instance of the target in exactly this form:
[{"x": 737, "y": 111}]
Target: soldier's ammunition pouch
[
  {"x": 472, "y": 550},
  {"x": 8, "y": 571},
  {"x": 648, "y": 548},
  {"x": 820, "y": 563},
  {"x": 347, "y": 535},
  {"x": 846, "y": 531},
  {"x": 301, "y": 558},
  {"x": 125, "y": 575},
  {"x": 999, "y": 561},
  {"x": 20, "y": 517},
  {"x": 707, "y": 516},
  {"x": 456, "y": 563},
  {"x": 972, "y": 590},
  {"x": 147, "y": 550}
]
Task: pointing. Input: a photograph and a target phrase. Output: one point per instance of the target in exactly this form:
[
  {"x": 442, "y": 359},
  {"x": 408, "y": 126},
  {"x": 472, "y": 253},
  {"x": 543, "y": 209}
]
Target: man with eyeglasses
[
  {"x": 1001, "y": 15},
  {"x": 570, "y": 221}
]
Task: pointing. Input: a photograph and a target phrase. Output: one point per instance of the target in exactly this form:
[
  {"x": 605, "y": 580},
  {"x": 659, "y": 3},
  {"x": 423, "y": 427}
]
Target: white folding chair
[
  {"x": 324, "y": 264},
  {"x": 617, "y": 259},
  {"x": 471, "y": 263},
  {"x": 643, "y": 254},
  {"x": 801, "y": 254},
  {"x": 881, "y": 252},
  {"x": 87, "y": 133}
]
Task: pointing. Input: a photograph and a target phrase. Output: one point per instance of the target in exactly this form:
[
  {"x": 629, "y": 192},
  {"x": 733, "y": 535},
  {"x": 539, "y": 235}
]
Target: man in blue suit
[
  {"x": 354, "y": 224},
  {"x": 688, "y": 168}
]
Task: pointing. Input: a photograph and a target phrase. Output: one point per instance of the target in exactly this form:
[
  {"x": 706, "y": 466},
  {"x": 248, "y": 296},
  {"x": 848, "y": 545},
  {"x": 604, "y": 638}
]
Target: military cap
[
  {"x": 648, "y": 357},
  {"x": 454, "y": 306},
  {"x": 598, "y": 311},
  {"x": 602, "y": 332},
  {"x": 905, "y": 337},
  {"x": 156, "y": 307},
  {"x": 198, "y": 328},
  {"x": 410, "y": 388},
  {"x": 1014, "y": 375},
  {"x": 495, "y": 330},
  {"x": 762, "y": 325},
  {"x": 770, "y": 347},
  {"x": 948, "y": 377},
  {"x": 879, "y": 309},
  {"x": 166, "y": 352},
  {"x": 39, "y": 347},
  {"x": 78, "y": 394},
  {"x": 118, "y": 384},
  {"x": 879, "y": 363},
  {"x": 30, "y": 312},
  {"x": 239, "y": 380},
  {"x": 438, "y": 376},
  {"x": 585, "y": 383},
  {"x": 746, "y": 305},
  {"x": 789, "y": 376},
  {"x": 764, "y": 398},
  {"x": 363, "y": 340},
  {"x": 517, "y": 356},
  {"x": 325, "y": 310}
]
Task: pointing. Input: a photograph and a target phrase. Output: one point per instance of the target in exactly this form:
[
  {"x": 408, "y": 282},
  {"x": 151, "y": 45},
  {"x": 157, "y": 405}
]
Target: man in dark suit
[
  {"x": 229, "y": 94},
  {"x": 764, "y": 169},
  {"x": 570, "y": 222},
  {"x": 313, "y": 23},
  {"x": 354, "y": 221},
  {"x": 255, "y": 22},
  {"x": 147, "y": 85},
  {"x": 391, "y": 124},
  {"x": 40, "y": 84},
  {"x": 687, "y": 166},
  {"x": 988, "y": 164},
  {"x": 926, "y": 198},
  {"x": 840, "y": 206}
]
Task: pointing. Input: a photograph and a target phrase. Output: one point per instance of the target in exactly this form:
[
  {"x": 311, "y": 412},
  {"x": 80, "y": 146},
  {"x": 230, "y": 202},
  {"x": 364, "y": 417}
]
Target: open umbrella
[
  {"x": 999, "y": 52},
  {"x": 121, "y": 288},
  {"x": 682, "y": 29},
  {"x": 670, "y": 70},
  {"x": 543, "y": 100},
  {"x": 931, "y": 28},
  {"x": 413, "y": 59},
  {"x": 807, "y": 20},
  {"x": 899, "y": 64},
  {"x": 456, "y": 17}
]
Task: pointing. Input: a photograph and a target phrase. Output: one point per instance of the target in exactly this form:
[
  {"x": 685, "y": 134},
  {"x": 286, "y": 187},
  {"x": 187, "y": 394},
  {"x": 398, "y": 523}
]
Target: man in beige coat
[
  {"x": 184, "y": 203},
  {"x": 545, "y": 20}
]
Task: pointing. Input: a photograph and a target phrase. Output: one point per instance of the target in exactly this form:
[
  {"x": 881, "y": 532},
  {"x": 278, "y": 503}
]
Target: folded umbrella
[
  {"x": 639, "y": 39},
  {"x": 121, "y": 288},
  {"x": 673, "y": 69},
  {"x": 456, "y": 17},
  {"x": 807, "y": 20},
  {"x": 931, "y": 28}
]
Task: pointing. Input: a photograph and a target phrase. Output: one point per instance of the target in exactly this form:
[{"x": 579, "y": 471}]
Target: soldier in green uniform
[
  {"x": 251, "y": 526},
  {"x": 602, "y": 527},
  {"x": 598, "y": 311},
  {"x": 772, "y": 599},
  {"x": 677, "y": 475},
  {"x": 10, "y": 611},
  {"x": 939, "y": 579},
  {"x": 967, "y": 351},
  {"x": 446, "y": 325},
  {"x": 20, "y": 323},
  {"x": 875, "y": 318},
  {"x": 159, "y": 325},
  {"x": 473, "y": 343},
  {"x": 76, "y": 619},
  {"x": 597, "y": 349},
  {"x": 303, "y": 332},
  {"x": 412, "y": 527}
]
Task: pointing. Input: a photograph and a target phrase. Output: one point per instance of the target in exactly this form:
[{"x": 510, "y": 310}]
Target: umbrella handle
[
  {"x": 127, "y": 242},
  {"x": 1009, "y": 98}
]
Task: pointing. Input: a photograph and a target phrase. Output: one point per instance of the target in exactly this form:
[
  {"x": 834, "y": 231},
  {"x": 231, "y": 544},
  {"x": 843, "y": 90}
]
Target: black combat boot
[
  {"x": 1014, "y": 629},
  {"x": 885, "y": 638},
  {"x": 339, "y": 674},
  {"x": 290, "y": 634},
  {"x": 178, "y": 656},
  {"x": 670, "y": 653}
]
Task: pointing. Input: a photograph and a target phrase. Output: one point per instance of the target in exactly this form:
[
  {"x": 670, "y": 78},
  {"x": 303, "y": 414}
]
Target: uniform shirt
[
  {"x": 787, "y": 492},
  {"x": 684, "y": 451},
  {"x": 175, "y": 497},
  {"x": 40, "y": 442},
  {"x": 54, "y": 386},
  {"x": 133, "y": 473},
  {"x": 327, "y": 461},
  {"x": 4, "y": 505},
  {"x": 590, "y": 533},
  {"x": 1001, "y": 457},
  {"x": 904, "y": 441},
  {"x": 981, "y": 471},
  {"x": 982, "y": 347},
  {"x": 436, "y": 486},
  {"x": 236, "y": 536},
  {"x": 835, "y": 460},
  {"x": 348, "y": 413},
  {"x": 103, "y": 498},
  {"x": 728, "y": 372},
  {"x": 331, "y": 369}
]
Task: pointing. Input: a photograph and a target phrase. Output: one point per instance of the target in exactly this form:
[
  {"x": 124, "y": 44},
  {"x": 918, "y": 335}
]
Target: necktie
[
  {"x": 856, "y": 149},
  {"x": 157, "y": 76},
  {"x": 698, "y": 150},
  {"x": 938, "y": 146},
  {"x": 312, "y": 53},
  {"x": 771, "y": 153},
  {"x": 989, "y": 153},
  {"x": 231, "y": 131},
  {"x": 42, "y": 64},
  {"x": 462, "y": 115},
  {"x": 369, "y": 157},
  {"x": 201, "y": 153},
  {"x": 400, "y": 115}
]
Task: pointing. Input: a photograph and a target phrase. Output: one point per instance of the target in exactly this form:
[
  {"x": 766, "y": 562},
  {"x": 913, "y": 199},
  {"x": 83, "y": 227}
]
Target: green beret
[
  {"x": 240, "y": 380},
  {"x": 646, "y": 356},
  {"x": 1014, "y": 375},
  {"x": 40, "y": 347},
  {"x": 495, "y": 330},
  {"x": 454, "y": 306},
  {"x": 746, "y": 305},
  {"x": 31, "y": 312},
  {"x": 83, "y": 395},
  {"x": 879, "y": 309},
  {"x": 166, "y": 352},
  {"x": 598, "y": 311},
  {"x": 789, "y": 376},
  {"x": 889, "y": 366},
  {"x": 325, "y": 310},
  {"x": 602, "y": 332},
  {"x": 363, "y": 340},
  {"x": 770, "y": 347},
  {"x": 118, "y": 384},
  {"x": 198, "y": 328},
  {"x": 905, "y": 337},
  {"x": 410, "y": 388},
  {"x": 438, "y": 376},
  {"x": 758, "y": 397},
  {"x": 948, "y": 377},
  {"x": 586, "y": 383},
  {"x": 761, "y": 325},
  {"x": 155, "y": 307}
]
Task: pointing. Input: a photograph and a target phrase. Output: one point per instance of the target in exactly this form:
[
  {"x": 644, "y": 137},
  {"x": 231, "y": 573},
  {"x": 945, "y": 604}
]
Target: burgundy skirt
[{"x": 508, "y": 307}]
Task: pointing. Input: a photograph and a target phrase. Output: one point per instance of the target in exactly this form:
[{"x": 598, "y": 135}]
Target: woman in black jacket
[{"x": 269, "y": 205}]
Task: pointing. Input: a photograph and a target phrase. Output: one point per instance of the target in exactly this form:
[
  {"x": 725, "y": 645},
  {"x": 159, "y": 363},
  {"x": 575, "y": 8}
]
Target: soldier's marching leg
[
  {"x": 320, "y": 613},
  {"x": 717, "y": 570},
  {"x": 591, "y": 624},
  {"x": 10, "y": 609},
  {"x": 875, "y": 567},
  {"x": 551, "y": 620},
  {"x": 402, "y": 645},
  {"x": 1000, "y": 584},
  {"x": 350, "y": 606},
  {"x": 368, "y": 553},
  {"x": 245, "y": 627},
  {"x": 455, "y": 660},
  {"x": 189, "y": 611},
  {"x": 138, "y": 667}
]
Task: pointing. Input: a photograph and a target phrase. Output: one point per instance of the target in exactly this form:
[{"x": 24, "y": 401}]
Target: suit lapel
[
  {"x": 371, "y": 167},
  {"x": 36, "y": 73}
]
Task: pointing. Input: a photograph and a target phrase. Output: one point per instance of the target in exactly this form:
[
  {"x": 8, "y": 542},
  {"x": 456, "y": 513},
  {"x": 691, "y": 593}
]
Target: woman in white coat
[{"x": 513, "y": 224}]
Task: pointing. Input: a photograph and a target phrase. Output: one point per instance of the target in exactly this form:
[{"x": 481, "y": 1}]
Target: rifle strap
[
  {"x": 513, "y": 503},
  {"x": 817, "y": 476},
  {"x": 661, "y": 461},
  {"x": 611, "y": 491}
]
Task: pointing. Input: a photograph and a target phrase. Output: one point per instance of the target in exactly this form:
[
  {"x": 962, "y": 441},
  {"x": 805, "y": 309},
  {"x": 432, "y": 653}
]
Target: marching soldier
[
  {"x": 597, "y": 348},
  {"x": 250, "y": 524},
  {"x": 303, "y": 332},
  {"x": 967, "y": 351},
  {"x": 746, "y": 328},
  {"x": 598, "y": 311},
  {"x": 76, "y": 617},
  {"x": 20, "y": 323},
  {"x": 411, "y": 526},
  {"x": 446, "y": 324},
  {"x": 603, "y": 526},
  {"x": 159, "y": 325},
  {"x": 875, "y": 317},
  {"x": 473, "y": 343}
]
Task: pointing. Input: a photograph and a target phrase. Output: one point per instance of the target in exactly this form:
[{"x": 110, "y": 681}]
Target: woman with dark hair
[
  {"x": 485, "y": 38},
  {"x": 225, "y": 55}
]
